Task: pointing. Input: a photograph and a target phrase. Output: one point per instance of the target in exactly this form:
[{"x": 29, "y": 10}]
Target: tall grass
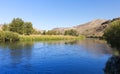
[
  {"x": 48, "y": 37},
  {"x": 7, "y": 36}
]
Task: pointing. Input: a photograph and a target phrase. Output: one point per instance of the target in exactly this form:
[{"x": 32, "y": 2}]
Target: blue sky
[{"x": 48, "y": 14}]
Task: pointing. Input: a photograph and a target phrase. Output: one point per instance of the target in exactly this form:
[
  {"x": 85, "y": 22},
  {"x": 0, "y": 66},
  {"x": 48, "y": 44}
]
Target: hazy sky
[{"x": 48, "y": 14}]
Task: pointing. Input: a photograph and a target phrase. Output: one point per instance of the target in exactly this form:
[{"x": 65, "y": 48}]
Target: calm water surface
[{"x": 57, "y": 57}]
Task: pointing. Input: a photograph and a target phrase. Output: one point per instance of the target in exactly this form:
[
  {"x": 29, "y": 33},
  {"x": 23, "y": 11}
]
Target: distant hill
[
  {"x": 92, "y": 28},
  {"x": 87, "y": 29}
]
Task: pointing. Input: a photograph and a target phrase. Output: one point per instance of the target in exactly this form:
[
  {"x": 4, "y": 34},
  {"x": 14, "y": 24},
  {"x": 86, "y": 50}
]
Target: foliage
[
  {"x": 44, "y": 32},
  {"x": 52, "y": 32},
  {"x": 48, "y": 37},
  {"x": 35, "y": 32},
  {"x": 17, "y": 25},
  {"x": 8, "y": 36},
  {"x": 112, "y": 33},
  {"x": 28, "y": 29},
  {"x": 71, "y": 32},
  {"x": 5, "y": 27}
]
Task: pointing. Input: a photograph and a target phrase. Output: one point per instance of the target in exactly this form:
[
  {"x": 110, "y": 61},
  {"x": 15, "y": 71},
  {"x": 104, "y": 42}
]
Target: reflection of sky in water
[{"x": 57, "y": 57}]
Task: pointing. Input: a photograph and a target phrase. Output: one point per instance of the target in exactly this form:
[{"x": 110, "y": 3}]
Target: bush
[
  {"x": 71, "y": 32},
  {"x": 6, "y": 36},
  {"x": 112, "y": 33},
  {"x": 52, "y": 32}
]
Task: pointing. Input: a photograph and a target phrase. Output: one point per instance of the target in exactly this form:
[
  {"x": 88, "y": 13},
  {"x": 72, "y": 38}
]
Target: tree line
[
  {"x": 19, "y": 26},
  {"x": 70, "y": 32}
]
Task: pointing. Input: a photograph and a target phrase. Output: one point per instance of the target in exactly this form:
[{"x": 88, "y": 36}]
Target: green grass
[
  {"x": 7, "y": 36},
  {"x": 48, "y": 37}
]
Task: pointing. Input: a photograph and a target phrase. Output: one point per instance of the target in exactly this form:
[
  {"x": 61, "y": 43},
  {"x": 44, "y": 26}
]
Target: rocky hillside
[
  {"x": 92, "y": 28},
  {"x": 88, "y": 29}
]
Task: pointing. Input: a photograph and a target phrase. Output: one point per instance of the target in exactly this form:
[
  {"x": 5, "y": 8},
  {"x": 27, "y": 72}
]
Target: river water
[{"x": 87, "y": 56}]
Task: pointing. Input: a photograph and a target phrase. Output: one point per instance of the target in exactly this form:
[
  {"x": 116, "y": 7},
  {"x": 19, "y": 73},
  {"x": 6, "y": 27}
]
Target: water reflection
[
  {"x": 95, "y": 46},
  {"x": 15, "y": 53},
  {"x": 54, "y": 57},
  {"x": 113, "y": 64},
  {"x": 115, "y": 43}
]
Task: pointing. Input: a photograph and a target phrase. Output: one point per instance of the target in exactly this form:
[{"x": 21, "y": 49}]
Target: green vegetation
[
  {"x": 17, "y": 25},
  {"x": 51, "y": 32},
  {"x": 44, "y": 32},
  {"x": 5, "y": 27},
  {"x": 21, "y": 27},
  {"x": 48, "y": 37},
  {"x": 112, "y": 33},
  {"x": 6, "y": 36},
  {"x": 67, "y": 32},
  {"x": 35, "y": 32},
  {"x": 28, "y": 29},
  {"x": 71, "y": 32},
  {"x": 19, "y": 30}
]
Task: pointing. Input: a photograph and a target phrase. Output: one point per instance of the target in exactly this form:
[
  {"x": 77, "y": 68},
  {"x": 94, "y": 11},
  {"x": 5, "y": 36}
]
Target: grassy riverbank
[{"x": 48, "y": 37}]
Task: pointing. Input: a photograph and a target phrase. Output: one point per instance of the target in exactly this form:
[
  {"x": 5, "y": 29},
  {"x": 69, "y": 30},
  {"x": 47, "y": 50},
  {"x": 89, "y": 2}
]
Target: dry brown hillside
[
  {"x": 91, "y": 28},
  {"x": 88, "y": 29}
]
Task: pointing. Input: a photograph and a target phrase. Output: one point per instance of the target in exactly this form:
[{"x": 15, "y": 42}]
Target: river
[{"x": 87, "y": 56}]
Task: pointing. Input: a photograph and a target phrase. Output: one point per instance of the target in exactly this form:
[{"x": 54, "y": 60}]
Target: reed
[{"x": 48, "y": 37}]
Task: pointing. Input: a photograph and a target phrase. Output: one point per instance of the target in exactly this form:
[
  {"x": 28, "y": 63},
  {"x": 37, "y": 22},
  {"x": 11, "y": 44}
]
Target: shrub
[
  {"x": 71, "y": 32},
  {"x": 112, "y": 34},
  {"x": 6, "y": 36}
]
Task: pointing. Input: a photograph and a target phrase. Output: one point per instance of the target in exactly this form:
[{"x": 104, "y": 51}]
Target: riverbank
[
  {"x": 7, "y": 36},
  {"x": 48, "y": 37}
]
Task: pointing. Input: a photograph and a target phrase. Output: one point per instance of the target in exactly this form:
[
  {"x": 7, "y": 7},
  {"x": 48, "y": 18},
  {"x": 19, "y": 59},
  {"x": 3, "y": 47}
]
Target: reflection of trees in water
[
  {"x": 115, "y": 43},
  {"x": 71, "y": 42},
  {"x": 112, "y": 65},
  {"x": 96, "y": 46},
  {"x": 18, "y": 51}
]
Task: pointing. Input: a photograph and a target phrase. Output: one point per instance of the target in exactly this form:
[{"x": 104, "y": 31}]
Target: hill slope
[{"x": 88, "y": 29}]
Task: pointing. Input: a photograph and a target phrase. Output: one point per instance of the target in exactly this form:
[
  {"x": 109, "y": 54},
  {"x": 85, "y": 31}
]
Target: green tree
[
  {"x": 71, "y": 32},
  {"x": 28, "y": 28},
  {"x": 52, "y": 32},
  {"x": 36, "y": 32},
  {"x": 44, "y": 32},
  {"x": 17, "y": 25},
  {"x": 112, "y": 33},
  {"x": 5, "y": 27},
  {"x": 113, "y": 30}
]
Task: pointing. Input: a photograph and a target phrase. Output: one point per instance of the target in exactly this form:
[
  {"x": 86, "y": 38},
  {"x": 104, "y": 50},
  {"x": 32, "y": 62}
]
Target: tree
[
  {"x": 112, "y": 33},
  {"x": 44, "y": 32},
  {"x": 52, "y": 32},
  {"x": 28, "y": 29},
  {"x": 36, "y": 32},
  {"x": 17, "y": 25},
  {"x": 5, "y": 27},
  {"x": 71, "y": 32}
]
